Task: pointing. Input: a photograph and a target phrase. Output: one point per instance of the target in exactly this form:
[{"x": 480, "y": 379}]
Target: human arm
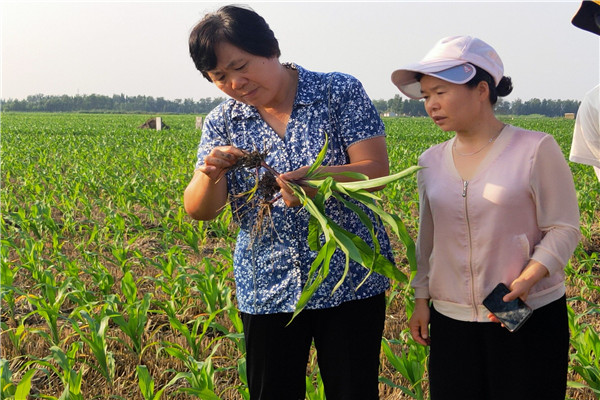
[
  {"x": 585, "y": 146},
  {"x": 557, "y": 209},
  {"x": 419, "y": 320},
  {"x": 557, "y": 216}
]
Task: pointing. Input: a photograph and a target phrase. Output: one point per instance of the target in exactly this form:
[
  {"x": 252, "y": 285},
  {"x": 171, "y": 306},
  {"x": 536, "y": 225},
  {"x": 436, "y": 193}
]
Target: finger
[
  {"x": 218, "y": 161},
  {"x": 225, "y": 155},
  {"x": 284, "y": 185},
  {"x": 493, "y": 318},
  {"x": 511, "y": 296},
  {"x": 289, "y": 199},
  {"x": 425, "y": 332}
]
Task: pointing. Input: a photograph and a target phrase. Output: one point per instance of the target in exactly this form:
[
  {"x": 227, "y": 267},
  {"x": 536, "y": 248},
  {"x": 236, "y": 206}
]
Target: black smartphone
[{"x": 512, "y": 314}]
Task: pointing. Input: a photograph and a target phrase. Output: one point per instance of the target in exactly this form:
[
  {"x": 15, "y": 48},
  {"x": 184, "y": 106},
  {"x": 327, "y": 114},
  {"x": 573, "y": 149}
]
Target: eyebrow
[
  {"x": 228, "y": 66},
  {"x": 433, "y": 89}
]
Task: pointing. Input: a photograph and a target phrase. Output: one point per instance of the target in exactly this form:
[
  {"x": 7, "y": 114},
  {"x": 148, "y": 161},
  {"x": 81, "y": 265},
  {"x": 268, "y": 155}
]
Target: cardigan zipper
[{"x": 464, "y": 195}]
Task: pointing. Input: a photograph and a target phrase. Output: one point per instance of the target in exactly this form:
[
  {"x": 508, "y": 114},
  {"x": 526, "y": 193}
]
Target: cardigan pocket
[{"x": 525, "y": 248}]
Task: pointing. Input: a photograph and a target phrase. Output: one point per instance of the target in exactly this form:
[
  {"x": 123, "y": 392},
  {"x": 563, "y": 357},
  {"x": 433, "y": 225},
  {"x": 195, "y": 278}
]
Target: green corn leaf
[
  {"x": 128, "y": 287},
  {"x": 24, "y": 386},
  {"x": 348, "y": 174},
  {"x": 320, "y": 157},
  {"x": 145, "y": 382},
  {"x": 314, "y": 234},
  {"x": 319, "y": 270},
  {"x": 369, "y": 183}
]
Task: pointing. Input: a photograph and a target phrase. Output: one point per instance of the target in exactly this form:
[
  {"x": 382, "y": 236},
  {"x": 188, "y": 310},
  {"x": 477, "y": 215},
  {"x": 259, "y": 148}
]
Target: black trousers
[
  {"x": 348, "y": 343},
  {"x": 484, "y": 361}
]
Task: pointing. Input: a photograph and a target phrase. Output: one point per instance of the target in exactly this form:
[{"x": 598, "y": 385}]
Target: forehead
[
  {"x": 227, "y": 55},
  {"x": 429, "y": 83}
]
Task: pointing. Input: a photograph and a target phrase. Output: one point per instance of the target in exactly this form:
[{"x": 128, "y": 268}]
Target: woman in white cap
[{"x": 497, "y": 204}]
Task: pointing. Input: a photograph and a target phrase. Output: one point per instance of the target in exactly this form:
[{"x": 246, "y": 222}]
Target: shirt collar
[{"x": 308, "y": 92}]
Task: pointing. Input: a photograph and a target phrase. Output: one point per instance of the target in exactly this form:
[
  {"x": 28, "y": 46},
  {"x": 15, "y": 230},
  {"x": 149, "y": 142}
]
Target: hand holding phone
[{"x": 512, "y": 314}]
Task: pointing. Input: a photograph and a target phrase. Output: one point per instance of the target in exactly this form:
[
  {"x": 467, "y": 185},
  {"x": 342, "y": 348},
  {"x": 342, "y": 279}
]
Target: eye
[{"x": 241, "y": 67}]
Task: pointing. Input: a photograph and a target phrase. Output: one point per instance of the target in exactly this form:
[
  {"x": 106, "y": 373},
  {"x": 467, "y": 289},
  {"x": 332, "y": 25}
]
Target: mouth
[
  {"x": 438, "y": 119},
  {"x": 249, "y": 94}
]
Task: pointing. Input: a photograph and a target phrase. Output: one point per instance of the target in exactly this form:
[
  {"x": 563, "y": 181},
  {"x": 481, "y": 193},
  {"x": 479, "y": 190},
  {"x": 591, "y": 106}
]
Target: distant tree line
[
  {"x": 95, "y": 103},
  {"x": 147, "y": 104}
]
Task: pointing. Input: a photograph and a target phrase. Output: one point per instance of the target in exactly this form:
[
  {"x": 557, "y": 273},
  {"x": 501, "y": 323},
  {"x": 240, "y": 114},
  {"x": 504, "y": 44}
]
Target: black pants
[
  {"x": 348, "y": 343},
  {"x": 484, "y": 361}
]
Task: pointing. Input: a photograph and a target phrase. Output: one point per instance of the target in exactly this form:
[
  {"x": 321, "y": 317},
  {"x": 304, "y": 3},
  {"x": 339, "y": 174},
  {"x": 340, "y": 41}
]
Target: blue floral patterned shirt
[{"x": 272, "y": 256}]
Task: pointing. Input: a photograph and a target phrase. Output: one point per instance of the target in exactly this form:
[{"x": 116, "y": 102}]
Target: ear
[{"x": 483, "y": 90}]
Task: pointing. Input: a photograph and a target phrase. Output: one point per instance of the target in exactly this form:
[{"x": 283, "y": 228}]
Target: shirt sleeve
[
  {"x": 556, "y": 206},
  {"x": 424, "y": 244},
  {"x": 213, "y": 134},
  {"x": 355, "y": 114},
  {"x": 585, "y": 147}
]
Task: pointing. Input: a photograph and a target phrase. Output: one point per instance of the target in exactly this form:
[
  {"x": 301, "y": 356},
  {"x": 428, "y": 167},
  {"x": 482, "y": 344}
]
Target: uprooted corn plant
[{"x": 325, "y": 236}]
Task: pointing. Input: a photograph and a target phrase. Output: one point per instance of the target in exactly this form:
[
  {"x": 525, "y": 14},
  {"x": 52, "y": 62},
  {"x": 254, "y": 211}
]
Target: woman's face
[
  {"x": 452, "y": 107},
  {"x": 251, "y": 79}
]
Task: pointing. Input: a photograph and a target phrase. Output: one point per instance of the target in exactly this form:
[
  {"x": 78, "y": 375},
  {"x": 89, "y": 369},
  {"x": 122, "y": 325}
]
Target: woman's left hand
[
  {"x": 287, "y": 194},
  {"x": 520, "y": 287}
]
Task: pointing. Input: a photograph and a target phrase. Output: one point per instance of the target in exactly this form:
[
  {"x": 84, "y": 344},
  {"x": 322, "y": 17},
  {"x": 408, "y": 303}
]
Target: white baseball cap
[{"x": 452, "y": 59}]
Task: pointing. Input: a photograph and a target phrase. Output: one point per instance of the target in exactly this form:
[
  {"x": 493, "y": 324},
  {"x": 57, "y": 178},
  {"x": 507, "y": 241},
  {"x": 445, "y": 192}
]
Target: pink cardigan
[{"x": 520, "y": 205}]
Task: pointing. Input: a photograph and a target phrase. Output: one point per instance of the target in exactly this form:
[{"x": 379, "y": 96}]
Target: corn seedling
[
  {"x": 95, "y": 339},
  {"x": 200, "y": 375},
  {"x": 10, "y": 389},
  {"x": 134, "y": 317},
  {"x": 410, "y": 364},
  {"x": 65, "y": 369},
  {"x": 146, "y": 384}
]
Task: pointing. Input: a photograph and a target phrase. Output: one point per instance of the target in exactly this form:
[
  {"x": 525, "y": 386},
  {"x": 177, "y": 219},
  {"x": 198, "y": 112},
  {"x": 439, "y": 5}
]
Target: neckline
[{"x": 501, "y": 142}]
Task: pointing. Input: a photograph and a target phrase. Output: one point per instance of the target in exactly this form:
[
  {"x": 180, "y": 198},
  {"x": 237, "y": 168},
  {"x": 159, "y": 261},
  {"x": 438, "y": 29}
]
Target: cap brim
[
  {"x": 588, "y": 17},
  {"x": 405, "y": 78}
]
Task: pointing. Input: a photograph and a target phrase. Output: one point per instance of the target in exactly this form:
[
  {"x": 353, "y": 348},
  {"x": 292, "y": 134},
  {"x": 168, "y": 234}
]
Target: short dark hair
[
  {"x": 504, "y": 87},
  {"x": 241, "y": 27}
]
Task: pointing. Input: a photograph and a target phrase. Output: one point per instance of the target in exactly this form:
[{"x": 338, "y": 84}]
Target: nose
[
  {"x": 238, "y": 82},
  {"x": 431, "y": 105}
]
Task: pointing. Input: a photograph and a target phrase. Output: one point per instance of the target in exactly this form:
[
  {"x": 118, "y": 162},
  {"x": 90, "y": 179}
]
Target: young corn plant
[
  {"x": 96, "y": 341},
  {"x": 8, "y": 272},
  {"x": 410, "y": 364},
  {"x": 212, "y": 284},
  {"x": 325, "y": 236},
  {"x": 13, "y": 390},
  {"x": 48, "y": 304},
  {"x": 146, "y": 384},
  {"x": 65, "y": 369},
  {"x": 585, "y": 358},
  {"x": 200, "y": 375},
  {"x": 134, "y": 317}
]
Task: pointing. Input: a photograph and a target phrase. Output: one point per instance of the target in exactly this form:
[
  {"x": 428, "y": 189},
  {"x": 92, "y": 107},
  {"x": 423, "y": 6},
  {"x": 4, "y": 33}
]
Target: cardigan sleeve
[
  {"x": 556, "y": 206},
  {"x": 424, "y": 245}
]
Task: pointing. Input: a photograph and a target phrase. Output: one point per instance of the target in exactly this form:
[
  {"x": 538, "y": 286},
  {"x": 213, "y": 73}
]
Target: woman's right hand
[
  {"x": 219, "y": 160},
  {"x": 419, "y": 322},
  {"x": 206, "y": 194}
]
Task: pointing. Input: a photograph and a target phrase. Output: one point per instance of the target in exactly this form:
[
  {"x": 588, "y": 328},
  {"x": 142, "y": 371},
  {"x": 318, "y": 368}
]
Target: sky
[{"x": 140, "y": 48}]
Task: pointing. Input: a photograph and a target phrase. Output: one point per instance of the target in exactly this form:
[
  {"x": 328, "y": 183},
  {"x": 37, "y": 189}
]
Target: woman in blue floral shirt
[{"x": 286, "y": 112}]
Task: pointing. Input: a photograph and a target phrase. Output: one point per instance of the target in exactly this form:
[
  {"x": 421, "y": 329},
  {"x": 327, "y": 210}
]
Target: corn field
[{"x": 110, "y": 291}]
